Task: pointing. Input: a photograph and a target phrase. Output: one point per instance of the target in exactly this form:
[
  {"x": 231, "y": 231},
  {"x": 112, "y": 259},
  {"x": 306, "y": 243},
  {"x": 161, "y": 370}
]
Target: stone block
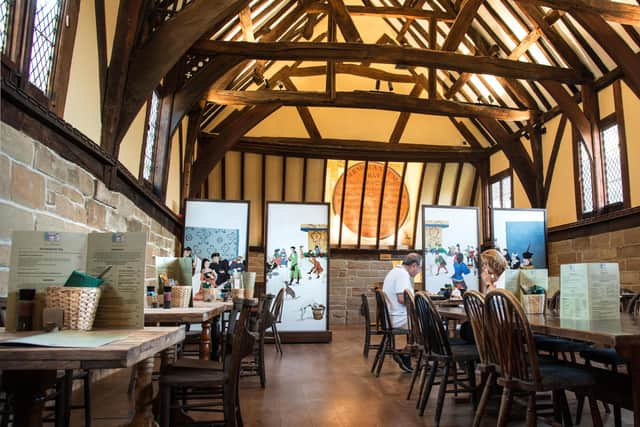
[
  {"x": 14, "y": 218},
  {"x": 632, "y": 236},
  {"x": 567, "y": 258},
  {"x": 590, "y": 255},
  {"x": 68, "y": 210},
  {"x": 16, "y": 144},
  {"x": 106, "y": 196},
  {"x": 5, "y": 184},
  {"x": 46, "y": 222},
  {"x": 81, "y": 180},
  {"x": 369, "y": 274},
  {"x": 50, "y": 163},
  {"x": 337, "y": 292},
  {"x": 76, "y": 228},
  {"x": 580, "y": 243},
  {"x": 617, "y": 238},
  {"x": 561, "y": 246},
  {"x": 72, "y": 194},
  {"x": 629, "y": 251},
  {"x": 115, "y": 221},
  {"x": 630, "y": 277},
  {"x": 609, "y": 254},
  {"x": 96, "y": 214},
  {"x": 135, "y": 225},
  {"x": 633, "y": 264},
  {"x": 359, "y": 291},
  {"x": 601, "y": 241},
  {"x": 4, "y": 282},
  {"x": 354, "y": 303},
  {"x": 27, "y": 187},
  {"x": 5, "y": 255}
]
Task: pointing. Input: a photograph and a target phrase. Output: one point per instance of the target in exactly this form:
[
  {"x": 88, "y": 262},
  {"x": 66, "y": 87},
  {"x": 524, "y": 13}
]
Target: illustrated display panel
[
  {"x": 450, "y": 242},
  {"x": 297, "y": 259},
  {"x": 520, "y": 235}
]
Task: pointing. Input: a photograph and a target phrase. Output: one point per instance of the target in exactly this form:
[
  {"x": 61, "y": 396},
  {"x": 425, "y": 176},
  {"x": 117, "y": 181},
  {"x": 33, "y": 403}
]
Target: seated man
[{"x": 395, "y": 283}]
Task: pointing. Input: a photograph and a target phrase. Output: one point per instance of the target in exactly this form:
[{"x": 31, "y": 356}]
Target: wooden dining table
[
  {"x": 28, "y": 371},
  {"x": 621, "y": 334},
  {"x": 204, "y": 313}
]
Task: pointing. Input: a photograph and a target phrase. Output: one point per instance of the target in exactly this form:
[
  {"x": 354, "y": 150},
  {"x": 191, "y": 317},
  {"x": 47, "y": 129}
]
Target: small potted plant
[{"x": 533, "y": 299}]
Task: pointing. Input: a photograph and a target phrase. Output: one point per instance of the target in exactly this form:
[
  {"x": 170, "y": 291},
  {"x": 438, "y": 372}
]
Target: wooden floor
[{"x": 319, "y": 385}]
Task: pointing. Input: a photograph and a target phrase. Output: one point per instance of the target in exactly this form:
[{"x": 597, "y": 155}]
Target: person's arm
[{"x": 400, "y": 298}]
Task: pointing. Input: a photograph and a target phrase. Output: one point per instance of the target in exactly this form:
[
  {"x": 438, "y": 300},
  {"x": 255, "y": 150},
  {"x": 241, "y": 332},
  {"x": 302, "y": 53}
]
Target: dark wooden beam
[
  {"x": 330, "y": 81},
  {"x": 130, "y": 16},
  {"x": 193, "y": 131},
  {"x": 436, "y": 195},
  {"x": 370, "y": 100},
  {"x": 456, "y": 185},
  {"x": 389, "y": 12},
  {"x": 608, "y": 10},
  {"x": 362, "y": 198},
  {"x": 399, "y": 205},
  {"x": 349, "y": 149},
  {"x": 213, "y": 151},
  {"x": 381, "y": 204},
  {"x": 466, "y": 133},
  {"x": 163, "y": 50},
  {"x": 536, "y": 151},
  {"x": 614, "y": 45},
  {"x": 344, "y": 21},
  {"x": 389, "y": 54},
  {"x": 305, "y": 114},
  {"x": 101, "y": 39},
  {"x": 353, "y": 69},
  {"x": 418, "y": 205},
  {"x": 433, "y": 41},
  {"x": 403, "y": 119},
  {"x": 465, "y": 16},
  {"x": 622, "y": 141}
]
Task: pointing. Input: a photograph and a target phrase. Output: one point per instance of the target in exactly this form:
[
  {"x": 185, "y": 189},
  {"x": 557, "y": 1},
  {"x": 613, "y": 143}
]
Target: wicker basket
[
  {"x": 78, "y": 304},
  {"x": 180, "y": 296},
  {"x": 533, "y": 304},
  {"x": 318, "y": 312}
]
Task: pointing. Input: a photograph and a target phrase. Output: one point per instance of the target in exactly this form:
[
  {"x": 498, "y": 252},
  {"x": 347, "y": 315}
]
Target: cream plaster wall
[
  {"x": 82, "y": 108},
  {"x": 173, "y": 180},
  {"x": 631, "y": 106},
  {"x": 606, "y": 103},
  {"x": 131, "y": 145},
  {"x": 498, "y": 163},
  {"x": 561, "y": 204}
]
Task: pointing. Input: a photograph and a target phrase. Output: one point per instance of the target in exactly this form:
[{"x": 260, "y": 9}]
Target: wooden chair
[
  {"x": 225, "y": 381},
  {"x": 488, "y": 366},
  {"x": 370, "y": 328},
  {"x": 259, "y": 324},
  {"x": 417, "y": 341},
  {"x": 388, "y": 342},
  {"x": 508, "y": 329},
  {"x": 441, "y": 351},
  {"x": 276, "y": 316}
]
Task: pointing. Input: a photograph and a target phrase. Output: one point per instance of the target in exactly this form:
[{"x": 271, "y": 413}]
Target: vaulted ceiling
[{"x": 496, "y": 70}]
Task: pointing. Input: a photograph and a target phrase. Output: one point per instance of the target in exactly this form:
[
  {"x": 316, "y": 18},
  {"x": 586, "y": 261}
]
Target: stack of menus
[{"x": 40, "y": 259}]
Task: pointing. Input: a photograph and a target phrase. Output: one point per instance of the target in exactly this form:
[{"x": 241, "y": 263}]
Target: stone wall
[
  {"x": 622, "y": 246},
  {"x": 39, "y": 190}
]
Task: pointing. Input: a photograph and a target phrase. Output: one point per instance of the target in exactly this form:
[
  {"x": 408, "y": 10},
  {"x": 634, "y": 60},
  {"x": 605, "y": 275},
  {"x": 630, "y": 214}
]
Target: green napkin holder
[{"x": 79, "y": 279}]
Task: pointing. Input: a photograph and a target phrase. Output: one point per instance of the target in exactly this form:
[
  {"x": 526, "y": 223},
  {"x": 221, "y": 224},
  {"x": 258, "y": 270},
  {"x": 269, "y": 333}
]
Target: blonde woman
[{"x": 492, "y": 267}]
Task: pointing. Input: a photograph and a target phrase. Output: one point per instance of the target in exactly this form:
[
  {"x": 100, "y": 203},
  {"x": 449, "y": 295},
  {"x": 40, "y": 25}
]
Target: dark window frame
[
  {"x": 150, "y": 183},
  {"x": 499, "y": 177},
  {"x": 16, "y": 59}
]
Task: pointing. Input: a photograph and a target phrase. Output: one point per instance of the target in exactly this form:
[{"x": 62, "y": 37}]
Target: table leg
[
  {"x": 168, "y": 358},
  {"x": 29, "y": 390},
  {"x": 205, "y": 340},
  {"x": 144, "y": 395},
  {"x": 215, "y": 339}
]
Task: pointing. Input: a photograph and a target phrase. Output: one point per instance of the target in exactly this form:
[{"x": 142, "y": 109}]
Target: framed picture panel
[
  {"x": 450, "y": 242},
  {"x": 220, "y": 226},
  {"x": 521, "y": 235},
  {"x": 297, "y": 259}
]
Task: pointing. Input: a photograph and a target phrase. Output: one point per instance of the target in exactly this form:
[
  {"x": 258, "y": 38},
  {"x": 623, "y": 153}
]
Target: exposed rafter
[
  {"x": 389, "y": 12},
  {"x": 389, "y": 55},
  {"x": 467, "y": 12},
  {"x": 371, "y": 100},
  {"x": 607, "y": 9}
]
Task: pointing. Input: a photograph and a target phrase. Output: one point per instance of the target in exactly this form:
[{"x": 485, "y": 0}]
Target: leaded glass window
[
  {"x": 150, "y": 142},
  {"x": 612, "y": 165},
  {"x": 585, "y": 179},
  {"x": 501, "y": 192},
  {"x": 43, "y": 48},
  {"x": 5, "y": 17}
]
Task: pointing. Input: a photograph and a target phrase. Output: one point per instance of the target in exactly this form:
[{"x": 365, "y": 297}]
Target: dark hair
[
  {"x": 412, "y": 258},
  {"x": 215, "y": 254},
  {"x": 203, "y": 261},
  {"x": 459, "y": 257},
  {"x": 188, "y": 248}
]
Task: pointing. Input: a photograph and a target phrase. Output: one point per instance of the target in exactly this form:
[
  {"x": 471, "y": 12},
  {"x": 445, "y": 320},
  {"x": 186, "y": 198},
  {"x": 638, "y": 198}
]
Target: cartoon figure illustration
[
  {"x": 283, "y": 257},
  {"x": 441, "y": 263},
  {"x": 316, "y": 250},
  {"x": 527, "y": 259},
  {"x": 515, "y": 260},
  {"x": 317, "y": 268},
  {"x": 459, "y": 268},
  {"x": 294, "y": 268},
  {"x": 507, "y": 257},
  {"x": 276, "y": 257},
  {"x": 289, "y": 291}
]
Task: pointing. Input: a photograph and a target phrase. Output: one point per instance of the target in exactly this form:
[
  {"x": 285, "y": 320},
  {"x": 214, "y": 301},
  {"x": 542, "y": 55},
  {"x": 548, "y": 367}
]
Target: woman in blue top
[{"x": 459, "y": 268}]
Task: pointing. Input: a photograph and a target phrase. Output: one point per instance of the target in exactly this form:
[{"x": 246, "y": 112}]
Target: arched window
[{"x": 149, "y": 148}]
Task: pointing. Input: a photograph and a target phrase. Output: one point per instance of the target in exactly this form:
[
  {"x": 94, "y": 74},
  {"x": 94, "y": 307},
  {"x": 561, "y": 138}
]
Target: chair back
[
  {"x": 474, "y": 306},
  {"x": 364, "y": 309},
  {"x": 633, "y": 308},
  {"x": 434, "y": 334},
  {"x": 509, "y": 332},
  {"x": 242, "y": 342},
  {"x": 383, "y": 318},
  {"x": 412, "y": 318},
  {"x": 263, "y": 318},
  {"x": 553, "y": 304},
  {"x": 276, "y": 308}
]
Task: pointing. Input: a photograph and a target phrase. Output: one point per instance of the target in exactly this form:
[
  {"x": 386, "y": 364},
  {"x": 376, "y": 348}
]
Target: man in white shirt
[{"x": 395, "y": 283}]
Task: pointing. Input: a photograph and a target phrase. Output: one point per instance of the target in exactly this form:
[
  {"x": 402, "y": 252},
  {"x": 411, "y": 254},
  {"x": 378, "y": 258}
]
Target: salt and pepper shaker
[
  {"x": 166, "y": 293},
  {"x": 26, "y": 303}
]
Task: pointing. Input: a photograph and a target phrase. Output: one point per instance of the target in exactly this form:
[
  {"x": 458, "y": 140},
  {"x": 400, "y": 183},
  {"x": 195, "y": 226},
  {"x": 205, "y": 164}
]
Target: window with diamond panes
[
  {"x": 150, "y": 141},
  {"x": 612, "y": 165},
  {"x": 43, "y": 46},
  {"x": 6, "y": 7},
  {"x": 586, "y": 182},
  {"x": 501, "y": 192}
]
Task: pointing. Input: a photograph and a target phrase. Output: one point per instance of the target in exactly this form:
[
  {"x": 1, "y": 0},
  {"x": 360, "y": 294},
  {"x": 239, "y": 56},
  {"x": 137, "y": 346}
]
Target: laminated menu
[
  {"x": 517, "y": 279},
  {"x": 590, "y": 291},
  {"x": 40, "y": 259}
]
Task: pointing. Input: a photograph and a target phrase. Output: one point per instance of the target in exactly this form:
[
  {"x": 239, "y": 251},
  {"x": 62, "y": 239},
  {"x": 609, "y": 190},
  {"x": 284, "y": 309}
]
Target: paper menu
[
  {"x": 590, "y": 291},
  {"x": 42, "y": 259},
  {"x": 518, "y": 278}
]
